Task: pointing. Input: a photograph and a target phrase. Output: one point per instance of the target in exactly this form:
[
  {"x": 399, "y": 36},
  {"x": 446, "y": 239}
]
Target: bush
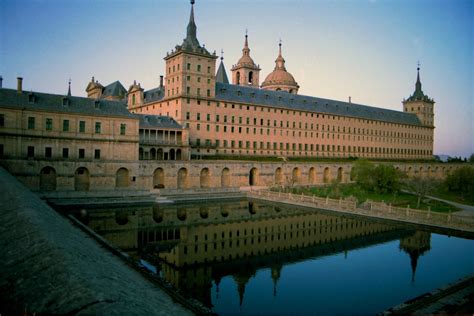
[{"x": 379, "y": 179}]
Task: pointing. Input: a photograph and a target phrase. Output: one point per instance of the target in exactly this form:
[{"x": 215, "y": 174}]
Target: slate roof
[
  {"x": 160, "y": 121},
  {"x": 284, "y": 100},
  {"x": 115, "y": 89},
  {"x": 153, "y": 95},
  {"x": 9, "y": 98},
  {"x": 221, "y": 75}
]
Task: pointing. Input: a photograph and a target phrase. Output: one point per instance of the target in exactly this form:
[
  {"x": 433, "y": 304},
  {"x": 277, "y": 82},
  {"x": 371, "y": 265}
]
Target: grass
[
  {"x": 443, "y": 193},
  {"x": 399, "y": 199}
]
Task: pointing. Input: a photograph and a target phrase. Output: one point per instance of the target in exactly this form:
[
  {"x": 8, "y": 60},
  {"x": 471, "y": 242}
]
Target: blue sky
[{"x": 335, "y": 49}]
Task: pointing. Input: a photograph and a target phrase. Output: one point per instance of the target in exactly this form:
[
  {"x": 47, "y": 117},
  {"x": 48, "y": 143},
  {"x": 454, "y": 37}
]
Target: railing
[
  {"x": 373, "y": 209},
  {"x": 149, "y": 141}
]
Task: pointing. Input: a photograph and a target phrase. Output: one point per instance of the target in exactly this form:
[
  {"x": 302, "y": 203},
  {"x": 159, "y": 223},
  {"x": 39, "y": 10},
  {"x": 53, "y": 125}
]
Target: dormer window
[
  {"x": 97, "y": 104},
  {"x": 239, "y": 93},
  {"x": 266, "y": 96},
  {"x": 279, "y": 98},
  {"x": 31, "y": 98},
  {"x": 65, "y": 101}
]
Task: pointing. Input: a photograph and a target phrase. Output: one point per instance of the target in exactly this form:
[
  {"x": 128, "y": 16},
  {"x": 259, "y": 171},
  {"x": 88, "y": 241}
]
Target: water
[{"x": 241, "y": 257}]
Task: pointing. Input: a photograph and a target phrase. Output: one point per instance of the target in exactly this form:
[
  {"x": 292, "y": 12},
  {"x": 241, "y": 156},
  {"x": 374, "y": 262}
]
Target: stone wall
[
  {"x": 51, "y": 267},
  {"x": 77, "y": 175}
]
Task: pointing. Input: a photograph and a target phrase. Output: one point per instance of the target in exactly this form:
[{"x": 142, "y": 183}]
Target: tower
[
  {"x": 280, "y": 79},
  {"x": 246, "y": 72},
  {"x": 190, "y": 68},
  {"x": 420, "y": 104}
]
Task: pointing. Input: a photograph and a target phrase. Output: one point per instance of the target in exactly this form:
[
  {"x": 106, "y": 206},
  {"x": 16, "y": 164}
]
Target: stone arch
[
  {"x": 312, "y": 175},
  {"x": 279, "y": 178},
  {"x": 326, "y": 175},
  {"x": 122, "y": 179},
  {"x": 159, "y": 178},
  {"x": 81, "y": 179},
  {"x": 253, "y": 176},
  {"x": 179, "y": 155},
  {"x": 205, "y": 178},
  {"x": 420, "y": 172},
  {"x": 153, "y": 154},
  {"x": 159, "y": 154},
  {"x": 296, "y": 175},
  {"x": 140, "y": 153},
  {"x": 182, "y": 178},
  {"x": 172, "y": 154},
  {"x": 225, "y": 178},
  {"x": 429, "y": 172},
  {"x": 47, "y": 179},
  {"x": 340, "y": 175},
  {"x": 410, "y": 172}
]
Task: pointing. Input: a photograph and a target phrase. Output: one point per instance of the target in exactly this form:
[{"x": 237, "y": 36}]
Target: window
[
  {"x": 198, "y": 116},
  {"x": 1, "y": 150},
  {"x": 188, "y": 66},
  {"x": 48, "y": 152},
  {"x": 217, "y": 118},
  {"x": 198, "y": 91},
  {"x": 82, "y": 153},
  {"x": 123, "y": 128},
  {"x": 2, "y": 120},
  {"x": 208, "y": 69},
  {"x": 208, "y": 117},
  {"x": 97, "y": 154},
  {"x": 65, "y": 152},
  {"x": 188, "y": 90},
  {"x": 97, "y": 127},
  {"x": 82, "y": 126},
  {"x": 199, "y": 68},
  {"x": 30, "y": 152},
  {"x": 208, "y": 92},
  {"x": 31, "y": 123},
  {"x": 65, "y": 125}
]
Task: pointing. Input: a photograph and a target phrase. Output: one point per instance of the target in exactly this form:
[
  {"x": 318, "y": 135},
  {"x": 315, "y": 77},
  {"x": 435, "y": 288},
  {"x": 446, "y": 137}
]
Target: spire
[
  {"x": 418, "y": 95},
  {"x": 191, "y": 39},
  {"x": 246, "y": 49},
  {"x": 418, "y": 82},
  {"x": 280, "y": 61},
  {"x": 69, "y": 88},
  {"x": 221, "y": 75}
]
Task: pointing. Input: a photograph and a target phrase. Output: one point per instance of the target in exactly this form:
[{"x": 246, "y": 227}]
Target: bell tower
[
  {"x": 420, "y": 104},
  {"x": 190, "y": 68},
  {"x": 246, "y": 72}
]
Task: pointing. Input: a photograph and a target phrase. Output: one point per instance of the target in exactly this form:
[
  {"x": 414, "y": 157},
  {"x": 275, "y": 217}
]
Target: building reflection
[{"x": 196, "y": 246}]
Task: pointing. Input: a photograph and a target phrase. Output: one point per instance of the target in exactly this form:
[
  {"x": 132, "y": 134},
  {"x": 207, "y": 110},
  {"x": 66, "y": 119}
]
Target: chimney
[
  {"x": 161, "y": 81},
  {"x": 350, "y": 99},
  {"x": 1, "y": 82},
  {"x": 19, "y": 85}
]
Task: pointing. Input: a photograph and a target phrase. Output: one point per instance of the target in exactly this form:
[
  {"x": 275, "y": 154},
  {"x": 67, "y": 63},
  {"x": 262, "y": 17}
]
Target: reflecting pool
[{"x": 244, "y": 257}]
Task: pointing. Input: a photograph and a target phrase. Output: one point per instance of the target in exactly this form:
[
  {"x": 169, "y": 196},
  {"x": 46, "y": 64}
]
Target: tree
[
  {"x": 471, "y": 158},
  {"x": 462, "y": 181},
  {"x": 420, "y": 186},
  {"x": 382, "y": 178}
]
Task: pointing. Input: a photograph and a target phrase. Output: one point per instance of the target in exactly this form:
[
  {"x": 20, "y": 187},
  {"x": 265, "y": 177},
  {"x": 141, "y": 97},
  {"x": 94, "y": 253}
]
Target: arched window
[
  {"x": 238, "y": 77},
  {"x": 251, "y": 77}
]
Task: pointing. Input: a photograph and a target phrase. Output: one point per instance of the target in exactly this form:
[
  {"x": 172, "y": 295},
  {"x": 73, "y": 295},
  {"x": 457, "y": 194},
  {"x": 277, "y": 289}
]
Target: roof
[
  {"x": 10, "y": 98},
  {"x": 221, "y": 75},
  {"x": 114, "y": 89},
  {"x": 285, "y": 100},
  {"x": 157, "y": 121},
  {"x": 153, "y": 95}
]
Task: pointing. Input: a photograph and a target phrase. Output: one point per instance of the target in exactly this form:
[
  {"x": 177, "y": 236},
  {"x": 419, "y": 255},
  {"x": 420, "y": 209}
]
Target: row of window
[
  {"x": 310, "y": 147},
  {"x": 188, "y": 67},
  {"x": 48, "y": 153},
  {"x": 66, "y": 125}
]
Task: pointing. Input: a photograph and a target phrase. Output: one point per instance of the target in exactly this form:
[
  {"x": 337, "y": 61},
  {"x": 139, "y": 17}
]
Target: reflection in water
[{"x": 196, "y": 246}]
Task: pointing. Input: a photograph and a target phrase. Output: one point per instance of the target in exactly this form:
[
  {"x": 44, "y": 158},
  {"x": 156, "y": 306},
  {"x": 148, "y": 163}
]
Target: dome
[
  {"x": 246, "y": 60},
  {"x": 279, "y": 78}
]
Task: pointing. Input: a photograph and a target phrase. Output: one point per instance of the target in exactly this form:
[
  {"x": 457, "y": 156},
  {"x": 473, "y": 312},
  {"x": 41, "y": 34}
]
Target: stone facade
[{"x": 240, "y": 119}]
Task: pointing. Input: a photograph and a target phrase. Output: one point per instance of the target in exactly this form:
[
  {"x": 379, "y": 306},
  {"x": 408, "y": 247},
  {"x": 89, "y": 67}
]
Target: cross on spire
[{"x": 222, "y": 54}]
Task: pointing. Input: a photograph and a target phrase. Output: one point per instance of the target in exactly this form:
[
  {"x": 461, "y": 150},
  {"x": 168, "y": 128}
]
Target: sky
[{"x": 366, "y": 49}]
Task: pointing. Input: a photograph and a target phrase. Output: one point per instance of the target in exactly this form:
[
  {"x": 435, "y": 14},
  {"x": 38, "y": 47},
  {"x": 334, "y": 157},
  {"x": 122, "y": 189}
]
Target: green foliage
[
  {"x": 462, "y": 182},
  {"x": 380, "y": 178},
  {"x": 471, "y": 158}
]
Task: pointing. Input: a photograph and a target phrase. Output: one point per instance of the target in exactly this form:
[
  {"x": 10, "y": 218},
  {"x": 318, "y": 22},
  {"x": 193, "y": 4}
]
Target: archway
[
  {"x": 420, "y": 172},
  {"x": 122, "y": 179},
  {"x": 205, "y": 178},
  {"x": 428, "y": 172},
  {"x": 172, "y": 154},
  {"x": 159, "y": 154},
  {"x": 178, "y": 154},
  {"x": 327, "y": 175},
  {"x": 182, "y": 178},
  {"x": 279, "y": 179},
  {"x": 158, "y": 179},
  {"x": 409, "y": 172},
  {"x": 225, "y": 178},
  {"x": 340, "y": 175},
  {"x": 312, "y": 175},
  {"x": 253, "y": 176},
  {"x": 47, "y": 179},
  {"x": 295, "y": 175},
  {"x": 140, "y": 153},
  {"x": 153, "y": 154},
  {"x": 81, "y": 179}
]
